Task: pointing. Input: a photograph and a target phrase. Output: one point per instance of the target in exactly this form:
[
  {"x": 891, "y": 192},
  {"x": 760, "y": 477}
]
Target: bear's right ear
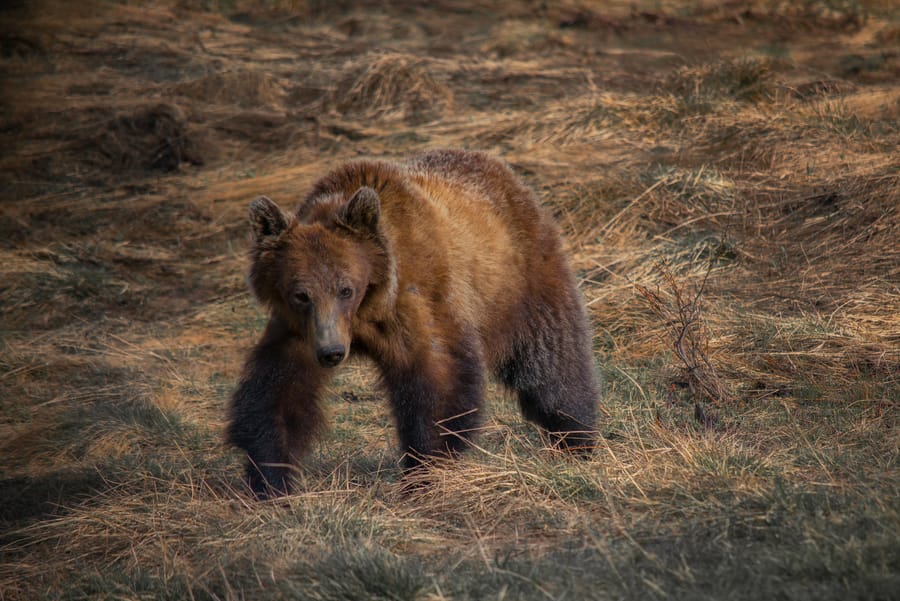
[{"x": 267, "y": 219}]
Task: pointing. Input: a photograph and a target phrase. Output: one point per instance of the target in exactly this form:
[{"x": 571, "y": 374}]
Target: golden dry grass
[{"x": 726, "y": 176}]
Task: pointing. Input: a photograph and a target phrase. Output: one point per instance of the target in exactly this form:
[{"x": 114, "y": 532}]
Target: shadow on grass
[{"x": 25, "y": 499}]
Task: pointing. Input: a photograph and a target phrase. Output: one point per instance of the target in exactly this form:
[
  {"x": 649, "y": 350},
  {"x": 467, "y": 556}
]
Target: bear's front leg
[
  {"x": 413, "y": 400},
  {"x": 436, "y": 401},
  {"x": 275, "y": 412}
]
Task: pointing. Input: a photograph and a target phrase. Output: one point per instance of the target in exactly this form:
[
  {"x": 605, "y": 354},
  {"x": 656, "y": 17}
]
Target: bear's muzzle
[{"x": 331, "y": 356}]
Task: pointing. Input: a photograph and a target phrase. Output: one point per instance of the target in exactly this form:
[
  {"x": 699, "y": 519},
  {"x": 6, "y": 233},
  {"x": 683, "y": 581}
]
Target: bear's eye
[
  {"x": 346, "y": 292},
  {"x": 301, "y": 298}
]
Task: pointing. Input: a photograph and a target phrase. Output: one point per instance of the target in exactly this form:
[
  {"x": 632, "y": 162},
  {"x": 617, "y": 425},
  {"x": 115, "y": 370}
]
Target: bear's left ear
[{"x": 361, "y": 213}]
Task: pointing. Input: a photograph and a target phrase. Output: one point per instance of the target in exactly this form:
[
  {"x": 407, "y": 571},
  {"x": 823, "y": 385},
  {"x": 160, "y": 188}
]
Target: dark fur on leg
[
  {"x": 550, "y": 368},
  {"x": 460, "y": 411},
  {"x": 274, "y": 412},
  {"x": 573, "y": 433},
  {"x": 436, "y": 403}
]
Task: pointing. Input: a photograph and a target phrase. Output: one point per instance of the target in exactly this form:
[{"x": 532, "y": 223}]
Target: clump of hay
[
  {"x": 393, "y": 85},
  {"x": 746, "y": 79},
  {"x": 153, "y": 137}
]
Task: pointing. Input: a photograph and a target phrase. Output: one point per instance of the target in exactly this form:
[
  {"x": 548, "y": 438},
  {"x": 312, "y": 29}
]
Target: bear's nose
[{"x": 331, "y": 355}]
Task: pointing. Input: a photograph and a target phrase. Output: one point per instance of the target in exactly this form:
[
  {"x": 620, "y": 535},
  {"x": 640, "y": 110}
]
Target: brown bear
[{"x": 438, "y": 269}]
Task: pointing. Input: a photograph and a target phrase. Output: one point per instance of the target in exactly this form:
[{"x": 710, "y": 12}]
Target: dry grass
[
  {"x": 726, "y": 176},
  {"x": 388, "y": 85}
]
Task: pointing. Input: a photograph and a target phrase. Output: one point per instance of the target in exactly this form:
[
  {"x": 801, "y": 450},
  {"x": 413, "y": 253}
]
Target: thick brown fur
[{"x": 440, "y": 269}]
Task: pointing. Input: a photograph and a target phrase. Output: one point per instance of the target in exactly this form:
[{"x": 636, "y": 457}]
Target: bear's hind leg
[
  {"x": 570, "y": 428},
  {"x": 551, "y": 369}
]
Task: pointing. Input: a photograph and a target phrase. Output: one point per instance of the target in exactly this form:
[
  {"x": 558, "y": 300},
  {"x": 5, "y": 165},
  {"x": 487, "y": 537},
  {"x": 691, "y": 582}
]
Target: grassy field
[{"x": 727, "y": 177}]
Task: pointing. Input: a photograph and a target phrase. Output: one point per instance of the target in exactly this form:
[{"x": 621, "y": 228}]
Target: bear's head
[{"x": 316, "y": 269}]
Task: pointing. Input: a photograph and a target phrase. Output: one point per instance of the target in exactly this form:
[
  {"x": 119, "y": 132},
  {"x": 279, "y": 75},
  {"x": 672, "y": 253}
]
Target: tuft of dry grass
[
  {"x": 392, "y": 84},
  {"x": 746, "y": 79}
]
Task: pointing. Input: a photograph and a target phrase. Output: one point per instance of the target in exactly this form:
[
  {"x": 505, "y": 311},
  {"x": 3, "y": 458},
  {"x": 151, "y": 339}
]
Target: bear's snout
[{"x": 330, "y": 356}]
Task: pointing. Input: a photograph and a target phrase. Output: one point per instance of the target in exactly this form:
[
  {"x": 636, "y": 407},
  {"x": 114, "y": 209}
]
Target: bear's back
[
  {"x": 498, "y": 239},
  {"x": 485, "y": 177},
  {"x": 457, "y": 177},
  {"x": 464, "y": 232}
]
